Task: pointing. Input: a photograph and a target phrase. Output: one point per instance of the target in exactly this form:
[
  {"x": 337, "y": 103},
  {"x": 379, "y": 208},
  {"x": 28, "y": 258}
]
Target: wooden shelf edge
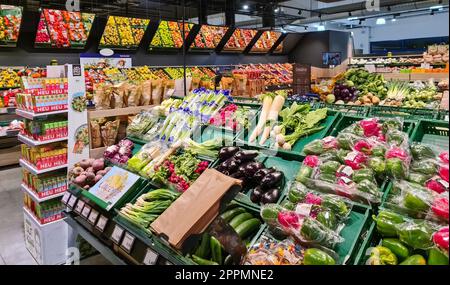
[{"x": 95, "y": 114}]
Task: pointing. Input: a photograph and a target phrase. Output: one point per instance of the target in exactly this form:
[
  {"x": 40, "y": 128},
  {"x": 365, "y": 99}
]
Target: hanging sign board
[
  {"x": 78, "y": 134},
  {"x": 88, "y": 60}
]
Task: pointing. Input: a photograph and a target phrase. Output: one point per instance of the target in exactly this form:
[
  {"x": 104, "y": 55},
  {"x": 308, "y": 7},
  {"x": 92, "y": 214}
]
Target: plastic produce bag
[
  {"x": 398, "y": 161},
  {"x": 417, "y": 234},
  {"x": 145, "y": 155},
  {"x": 318, "y": 146},
  {"x": 141, "y": 124}
]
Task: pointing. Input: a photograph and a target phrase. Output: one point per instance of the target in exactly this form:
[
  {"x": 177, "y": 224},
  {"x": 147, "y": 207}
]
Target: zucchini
[
  {"x": 216, "y": 250},
  {"x": 230, "y": 214},
  {"x": 201, "y": 261},
  {"x": 204, "y": 249},
  {"x": 248, "y": 227},
  {"x": 239, "y": 219}
]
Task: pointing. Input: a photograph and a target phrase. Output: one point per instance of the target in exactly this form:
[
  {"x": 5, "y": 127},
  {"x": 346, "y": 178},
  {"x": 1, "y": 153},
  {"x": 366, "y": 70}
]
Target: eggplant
[
  {"x": 251, "y": 168},
  {"x": 230, "y": 165},
  {"x": 228, "y": 152},
  {"x": 256, "y": 195},
  {"x": 237, "y": 175},
  {"x": 246, "y": 155},
  {"x": 272, "y": 180},
  {"x": 270, "y": 196},
  {"x": 259, "y": 175}
]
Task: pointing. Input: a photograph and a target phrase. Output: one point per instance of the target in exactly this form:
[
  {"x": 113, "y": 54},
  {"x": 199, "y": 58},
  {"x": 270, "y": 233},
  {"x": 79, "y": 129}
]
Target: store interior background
[{"x": 304, "y": 46}]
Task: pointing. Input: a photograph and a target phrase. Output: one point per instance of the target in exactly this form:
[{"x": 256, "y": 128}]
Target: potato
[
  {"x": 77, "y": 171},
  {"x": 98, "y": 164},
  {"x": 97, "y": 178},
  {"x": 358, "y": 103},
  {"x": 375, "y": 100},
  {"x": 84, "y": 163},
  {"x": 80, "y": 180}
]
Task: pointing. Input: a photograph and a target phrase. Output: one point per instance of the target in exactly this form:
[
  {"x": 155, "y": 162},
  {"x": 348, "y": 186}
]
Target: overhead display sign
[
  {"x": 63, "y": 29},
  {"x": 240, "y": 39},
  {"x": 123, "y": 32},
  {"x": 170, "y": 35},
  {"x": 10, "y": 19}
]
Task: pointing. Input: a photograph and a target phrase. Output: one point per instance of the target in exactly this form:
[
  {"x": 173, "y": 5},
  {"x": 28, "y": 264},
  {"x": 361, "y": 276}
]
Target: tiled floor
[{"x": 12, "y": 245}]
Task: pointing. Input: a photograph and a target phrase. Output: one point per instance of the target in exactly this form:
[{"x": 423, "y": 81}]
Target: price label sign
[
  {"x": 93, "y": 217},
  {"x": 79, "y": 207},
  {"x": 72, "y": 202},
  {"x": 101, "y": 223},
  {"x": 150, "y": 257},
  {"x": 127, "y": 242},
  {"x": 86, "y": 211},
  {"x": 66, "y": 198},
  {"x": 117, "y": 234}
]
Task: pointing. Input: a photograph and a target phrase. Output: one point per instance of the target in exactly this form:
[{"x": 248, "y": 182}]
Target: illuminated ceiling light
[
  {"x": 321, "y": 27},
  {"x": 245, "y": 7},
  {"x": 276, "y": 10},
  {"x": 394, "y": 20},
  {"x": 437, "y": 7},
  {"x": 381, "y": 21},
  {"x": 352, "y": 18}
]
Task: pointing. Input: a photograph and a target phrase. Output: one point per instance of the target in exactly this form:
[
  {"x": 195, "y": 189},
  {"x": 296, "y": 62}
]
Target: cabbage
[{"x": 111, "y": 151}]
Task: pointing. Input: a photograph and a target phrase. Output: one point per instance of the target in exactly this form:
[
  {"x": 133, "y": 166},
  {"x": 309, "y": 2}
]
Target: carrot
[
  {"x": 272, "y": 117},
  {"x": 267, "y": 103}
]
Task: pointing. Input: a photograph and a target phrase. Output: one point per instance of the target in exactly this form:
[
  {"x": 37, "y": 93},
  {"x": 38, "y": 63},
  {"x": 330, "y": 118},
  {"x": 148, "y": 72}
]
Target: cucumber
[
  {"x": 239, "y": 219},
  {"x": 201, "y": 261},
  {"x": 230, "y": 214},
  {"x": 248, "y": 227},
  {"x": 204, "y": 249},
  {"x": 216, "y": 250}
]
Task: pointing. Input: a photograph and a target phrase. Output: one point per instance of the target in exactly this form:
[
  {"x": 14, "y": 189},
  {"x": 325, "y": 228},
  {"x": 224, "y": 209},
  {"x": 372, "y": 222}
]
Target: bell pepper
[
  {"x": 381, "y": 255},
  {"x": 296, "y": 195},
  {"x": 437, "y": 257},
  {"x": 441, "y": 238},
  {"x": 355, "y": 160},
  {"x": 304, "y": 173},
  {"x": 289, "y": 219},
  {"x": 444, "y": 172},
  {"x": 363, "y": 174},
  {"x": 387, "y": 222},
  {"x": 336, "y": 204},
  {"x": 415, "y": 259},
  {"x": 379, "y": 150},
  {"x": 315, "y": 147},
  {"x": 341, "y": 154},
  {"x": 395, "y": 168},
  {"x": 418, "y": 178},
  {"x": 377, "y": 164},
  {"x": 417, "y": 234},
  {"x": 314, "y": 256},
  {"x": 312, "y": 199},
  {"x": 425, "y": 166},
  {"x": 370, "y": 127},
  {"x": 397, "y": 152},
  {"x": 420, "y": 151},
  {"x": 437, "y": 185},
  {"x": 397, "y": 247},
  {"x": 440, "y": 207},
  {"x": 396, "y": 137},
  {"x": 417, "y": 200},
  {"x": 327, "y": 177},
  {"x": 368, "y": 187},
  {"x": 311, "y": 161},
  {"x": 329, "y": 167},
  {"x": 313, "y": 231},
  {"x": 391, "y": 124},
  {"x": 363, "y": 146},
  {"x": 444, "y": 157},
  {"x": 328, "y": 219},
  {"x": 346, "y": 140}
]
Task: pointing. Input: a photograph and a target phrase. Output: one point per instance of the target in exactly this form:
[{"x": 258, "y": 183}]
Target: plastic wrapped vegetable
[
  {"x": 421, "y": 151},
  {"x": 318, "y": 147},
  {"x": 141, "y": 124},
  {"x": 417, "y": 234},
  {"x": 387, "y": 222},
  {"x": 397, "y": 163},
  {"x": 441, "y": 238},
  {"x": 146, "y": 154},
  {"x": 381, "y": 255}
]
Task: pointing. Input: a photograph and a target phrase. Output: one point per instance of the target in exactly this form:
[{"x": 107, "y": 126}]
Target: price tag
[
  {"x": 101, "y": 224},
  {"x": 117, "y": 234},
  {"x": 66, "y": 198},
  {"x": 86, "y": 211},
  {"x": 303, "y": 209},
  {"x": 127, "y": 242},
  {"x": 72, "y": 201},
  {"x": 93, "y": 217},
  {"x": 79, "y": 207},
  {"x": 150, "y": 257}
]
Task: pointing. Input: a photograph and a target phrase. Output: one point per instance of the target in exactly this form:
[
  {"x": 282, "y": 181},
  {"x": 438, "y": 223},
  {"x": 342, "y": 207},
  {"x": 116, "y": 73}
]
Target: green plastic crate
[
  {"x": 297, "y": 149},
  {"x": 443, "y": 115},
  {"x": 370, "y": 239},
  {"x": 346, "y": 120},
  {"x": 406, "y": 113},
  {"x": 432, "y": 132},
  {"x": 356, "y": 224},
  {"x": 345, "y": 109}
]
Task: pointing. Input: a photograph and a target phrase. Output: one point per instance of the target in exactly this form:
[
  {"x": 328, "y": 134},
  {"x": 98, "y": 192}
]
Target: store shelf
[
  {"x": 31, "y": 215},
  {"x": 36, "y": 197},
  {"x": 7, "y": 110},
  {"x": 31, "y": 142},
  {"x": 31, "y": 115},
  {"x": 35, "y": 171},
  {"x": 117, "y": 112}
]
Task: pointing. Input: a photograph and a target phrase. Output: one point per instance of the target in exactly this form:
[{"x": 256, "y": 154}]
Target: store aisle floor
[{"x": 12, "y": 244}]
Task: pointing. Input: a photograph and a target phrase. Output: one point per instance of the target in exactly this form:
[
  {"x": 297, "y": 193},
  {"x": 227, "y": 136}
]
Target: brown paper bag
[
  {"x": 96, "y": 139},
  {"x": 169, "y": 89},
  {"x": 134, "y": 94},
  {"x": 146, "y": 89},
  {"x": 102, "y": 96},
  {"x": 195, "y": 83},
  {"x": 157, "y": 91},
  {"x": 226, "y": 83},
  {"x": 195, "y": 209}
]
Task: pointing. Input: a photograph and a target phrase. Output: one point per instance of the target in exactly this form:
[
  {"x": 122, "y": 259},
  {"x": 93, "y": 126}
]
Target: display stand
[{"x": 45, "y": 236}]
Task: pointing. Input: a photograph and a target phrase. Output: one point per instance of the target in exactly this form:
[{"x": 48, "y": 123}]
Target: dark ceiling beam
[
  {"x": 230, "y": 13},
  {"x": 203, "y": 12}
]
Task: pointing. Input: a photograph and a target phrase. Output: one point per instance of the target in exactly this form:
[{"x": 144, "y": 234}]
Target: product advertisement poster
[
  {"x": 99, "y": 61},
  {"x": 78, "y": 134}
]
